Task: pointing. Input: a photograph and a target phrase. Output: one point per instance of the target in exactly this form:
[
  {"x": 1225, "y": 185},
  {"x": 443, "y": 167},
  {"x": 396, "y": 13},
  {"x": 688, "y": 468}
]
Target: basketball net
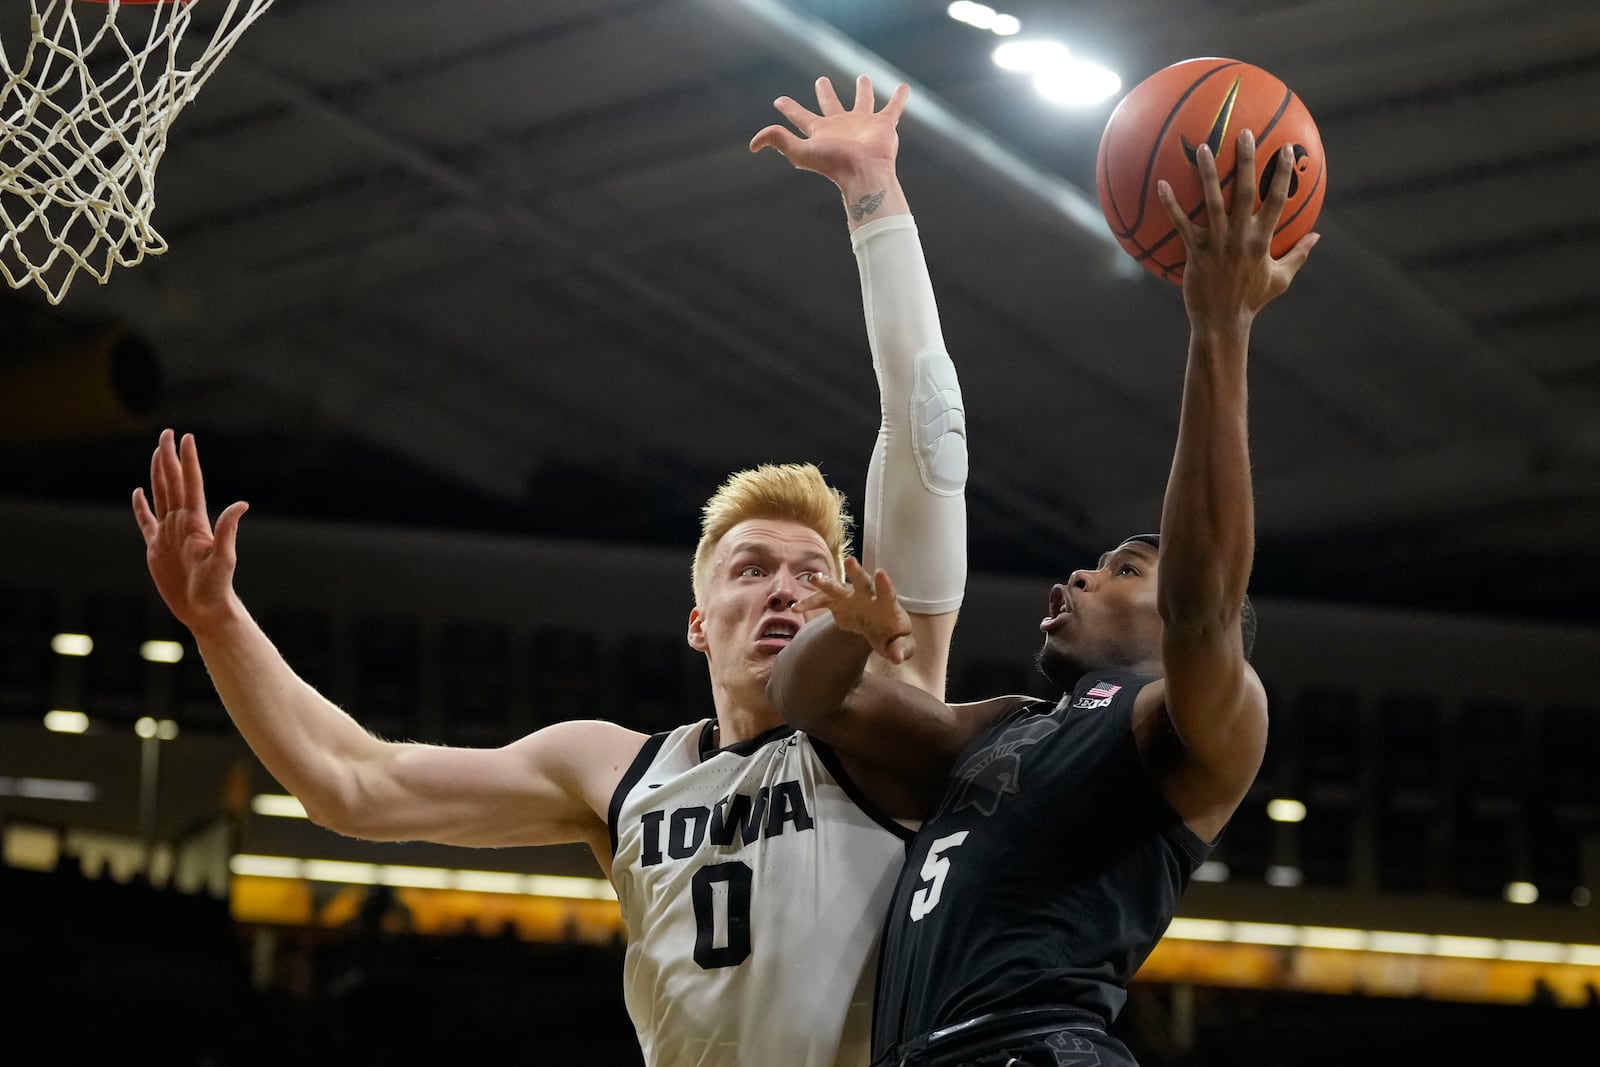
[{"x": 86, "y": 106}]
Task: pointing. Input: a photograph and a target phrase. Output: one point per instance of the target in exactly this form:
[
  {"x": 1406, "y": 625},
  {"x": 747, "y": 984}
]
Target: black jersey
[{"x": 1049, "y": 869}]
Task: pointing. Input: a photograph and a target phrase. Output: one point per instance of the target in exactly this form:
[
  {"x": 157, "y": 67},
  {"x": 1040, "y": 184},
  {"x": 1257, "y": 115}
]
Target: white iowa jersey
[{"x": 754, "y": 881}]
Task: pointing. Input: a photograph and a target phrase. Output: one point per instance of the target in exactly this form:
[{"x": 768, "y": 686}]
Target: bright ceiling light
[
  {"x": 1282, "y": 809},
  {"x": 1077, "y": 83},
  {"x": 978, "y": 16},
  {"x": 66, "y": 722},
  {"x": 161, "y": 729},
  {"x": 279, "y": 805},
  {"x": 1032, "y": 56},
  {"x": 161, "y": 651},
  {"x": 1520, "y": 893},
  {"x": 984, "y": 17},
  {"x": 72, "y": 644}
]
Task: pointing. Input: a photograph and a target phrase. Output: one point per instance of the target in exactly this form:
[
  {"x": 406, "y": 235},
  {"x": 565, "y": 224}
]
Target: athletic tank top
[
  {"x": 1049, "y": 869},
  {"x": 753, "y": 880}
]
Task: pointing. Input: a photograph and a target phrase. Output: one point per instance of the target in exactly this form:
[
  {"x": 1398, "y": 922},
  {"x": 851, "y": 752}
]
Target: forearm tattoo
[{"x": 867, "y": 204}]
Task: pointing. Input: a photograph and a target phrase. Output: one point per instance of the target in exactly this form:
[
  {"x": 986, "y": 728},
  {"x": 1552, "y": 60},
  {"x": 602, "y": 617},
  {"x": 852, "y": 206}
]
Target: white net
[{"x": 87, "y": 104}]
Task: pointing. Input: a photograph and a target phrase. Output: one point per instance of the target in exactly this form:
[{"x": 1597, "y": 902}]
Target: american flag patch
[{"x": 1103, "y": 691}]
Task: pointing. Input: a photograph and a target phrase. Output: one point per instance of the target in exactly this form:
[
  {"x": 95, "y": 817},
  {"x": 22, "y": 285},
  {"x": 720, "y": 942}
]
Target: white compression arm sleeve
[{"x": 915, "y": 522}]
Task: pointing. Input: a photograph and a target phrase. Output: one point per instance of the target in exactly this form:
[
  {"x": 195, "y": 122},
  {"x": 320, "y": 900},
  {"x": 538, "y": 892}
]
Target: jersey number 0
[{"x": 721, "y": 893}]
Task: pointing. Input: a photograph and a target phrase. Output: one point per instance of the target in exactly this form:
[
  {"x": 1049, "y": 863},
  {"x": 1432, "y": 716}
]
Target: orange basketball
[{"x": 1153, "y": 134}]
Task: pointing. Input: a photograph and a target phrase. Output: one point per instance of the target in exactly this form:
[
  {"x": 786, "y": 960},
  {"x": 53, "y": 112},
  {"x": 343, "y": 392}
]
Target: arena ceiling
[{"x": 511, "y": 266}]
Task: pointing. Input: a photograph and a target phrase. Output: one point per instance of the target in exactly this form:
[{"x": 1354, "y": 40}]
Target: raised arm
[
  {"x": 552, "y": 786},
  {"x": 1213, "y": 697},
  {"x": 914, "y": 516}
]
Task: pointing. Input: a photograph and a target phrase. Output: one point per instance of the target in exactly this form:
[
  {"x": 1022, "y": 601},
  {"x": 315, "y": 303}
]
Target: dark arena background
[{"x": 477, "y": 302}]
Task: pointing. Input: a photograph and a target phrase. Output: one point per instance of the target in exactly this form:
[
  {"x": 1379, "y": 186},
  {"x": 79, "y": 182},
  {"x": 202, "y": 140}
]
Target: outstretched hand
[
  {"x": 1229, "y": 269},
  {"x": 867, "y": 605},
  {"x": 837, "y": 143},
  {"x": 192, "y": 563}
]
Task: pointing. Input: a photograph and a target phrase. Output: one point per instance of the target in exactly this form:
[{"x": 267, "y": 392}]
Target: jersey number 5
[
  {"x": 934, "y": 869},
  {"x": 721, "y": 894}
]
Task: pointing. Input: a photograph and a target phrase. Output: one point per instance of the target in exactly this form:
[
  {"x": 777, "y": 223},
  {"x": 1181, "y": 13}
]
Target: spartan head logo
[{"x": 992, "y": 772}]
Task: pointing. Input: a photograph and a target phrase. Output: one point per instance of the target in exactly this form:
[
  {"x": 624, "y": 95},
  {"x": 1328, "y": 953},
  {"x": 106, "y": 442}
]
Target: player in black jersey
[{"x": 1060, "y": 837}]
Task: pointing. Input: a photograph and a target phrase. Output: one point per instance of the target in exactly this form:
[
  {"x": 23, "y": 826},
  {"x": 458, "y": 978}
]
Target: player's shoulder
[
  {"x": 597, "y": 731},
  {"x": 996, "y": 707},
  {"x": 582, "y": 742},
  {"x": 980, "y": 715}
]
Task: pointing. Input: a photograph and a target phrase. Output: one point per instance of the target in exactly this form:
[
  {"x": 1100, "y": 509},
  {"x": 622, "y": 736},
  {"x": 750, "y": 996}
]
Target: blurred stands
[{"x": 99, "y": 972}]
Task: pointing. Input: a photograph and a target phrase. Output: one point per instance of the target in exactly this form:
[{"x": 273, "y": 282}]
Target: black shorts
[
  {"x": 1065, "y": 1048},
  {"x": 1031, "y": 1037}
]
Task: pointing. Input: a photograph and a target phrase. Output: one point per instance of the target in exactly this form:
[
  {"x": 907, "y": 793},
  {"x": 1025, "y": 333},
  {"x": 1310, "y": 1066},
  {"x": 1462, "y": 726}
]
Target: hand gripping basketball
[
  {"x": 1155, "y": 135},
  {"x": 1232, "y": 272}
]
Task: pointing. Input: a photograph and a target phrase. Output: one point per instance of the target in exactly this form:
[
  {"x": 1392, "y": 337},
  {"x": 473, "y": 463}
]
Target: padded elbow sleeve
[{"x": 915, "y": 520}]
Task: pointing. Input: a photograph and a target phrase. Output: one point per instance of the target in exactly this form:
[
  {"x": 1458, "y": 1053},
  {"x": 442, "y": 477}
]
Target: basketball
[{"x": 1153, "y": 133}]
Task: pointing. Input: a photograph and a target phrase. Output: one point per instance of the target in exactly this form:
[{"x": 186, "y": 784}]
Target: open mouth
[
  {"x": 1060, "y": 609},
  {"x": 777, "y": 633}
]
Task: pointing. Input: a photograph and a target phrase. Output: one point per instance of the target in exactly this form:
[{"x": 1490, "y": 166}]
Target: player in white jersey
[
  {"x": 753, "y": 867},
  {"x": 752, "y": 838}
]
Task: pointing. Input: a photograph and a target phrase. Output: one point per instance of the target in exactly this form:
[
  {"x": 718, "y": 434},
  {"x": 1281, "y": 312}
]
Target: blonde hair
[{"x": 796, "y": 492}]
